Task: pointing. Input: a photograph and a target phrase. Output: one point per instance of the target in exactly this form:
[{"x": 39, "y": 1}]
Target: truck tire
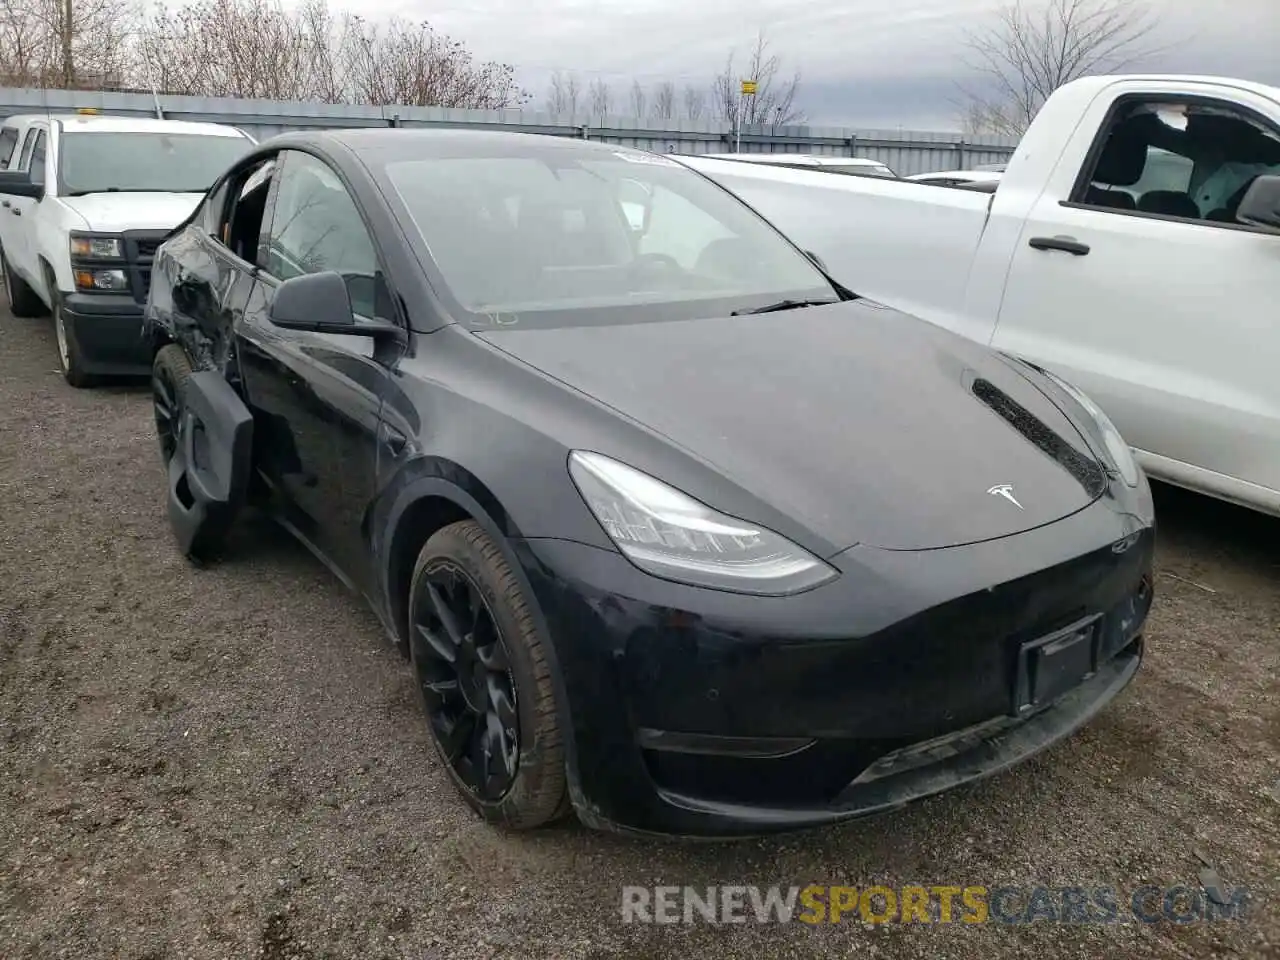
[
  {"x": 491, "y": 709},
  {"x": 69, "y": 358},
  {"x": 22, "y": 300}
]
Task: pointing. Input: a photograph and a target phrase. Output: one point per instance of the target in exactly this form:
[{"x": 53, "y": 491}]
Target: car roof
[
  {"x": 390, "y": 144},
  {"x": 86, "y": 123}
]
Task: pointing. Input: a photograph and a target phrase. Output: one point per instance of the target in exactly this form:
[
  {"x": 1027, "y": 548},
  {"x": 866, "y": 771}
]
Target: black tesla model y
[{"x": 676, "y": 532}]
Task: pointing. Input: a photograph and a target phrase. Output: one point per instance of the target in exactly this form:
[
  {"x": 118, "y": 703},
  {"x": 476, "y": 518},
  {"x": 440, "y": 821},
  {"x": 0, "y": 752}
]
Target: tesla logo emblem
[{"x": 1005, "y": 490}]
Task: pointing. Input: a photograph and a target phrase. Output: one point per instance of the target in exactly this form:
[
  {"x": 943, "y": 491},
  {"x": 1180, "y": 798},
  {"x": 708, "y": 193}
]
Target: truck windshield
[
  {"x": 552, "y": 236},
  {"x": 144, "y": 162}
]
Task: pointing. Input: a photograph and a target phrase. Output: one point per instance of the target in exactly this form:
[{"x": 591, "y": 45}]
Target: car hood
[
  {"x": 863, "y": 424},
  {"x": 117, "y": 212}
]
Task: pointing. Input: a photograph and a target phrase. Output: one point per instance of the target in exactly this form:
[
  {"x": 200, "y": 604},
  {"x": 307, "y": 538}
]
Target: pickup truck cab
[
  {"x": 84, "y": 203},
  {"x": 1132, "y": 247}
]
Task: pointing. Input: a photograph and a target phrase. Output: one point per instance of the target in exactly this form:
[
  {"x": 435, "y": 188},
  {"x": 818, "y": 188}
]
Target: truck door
[
  {"x": 1133, "y": 280},
  {"x": 18, "y": 234}
]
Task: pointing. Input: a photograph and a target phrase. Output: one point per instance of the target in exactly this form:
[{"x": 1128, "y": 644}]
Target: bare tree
[
  {"x": 558, "y": 94},
  {"x": 695, "y": 103},
  {"x": 774, "y": 101},
  {"x": 52, "y": 43},
  {"x": 1032, "y": 49},
  {"x": 637, "y": 100},
  {"x": 600, "y": 98},
  {"x": 258, "y": 48},
  {"x": 664, "y": 101},
  {"x": 400, "y": 62}
]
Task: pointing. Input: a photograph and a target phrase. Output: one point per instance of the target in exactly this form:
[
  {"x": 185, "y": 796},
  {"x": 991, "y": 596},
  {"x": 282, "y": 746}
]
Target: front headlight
[
  {"x": 96, "y": 248},
  {"x": 1117, "y": 449},
  {"x": 671, "y": 535}
]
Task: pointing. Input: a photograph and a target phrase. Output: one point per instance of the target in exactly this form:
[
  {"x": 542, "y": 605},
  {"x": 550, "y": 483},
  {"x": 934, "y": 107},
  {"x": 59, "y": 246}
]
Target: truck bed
[{"x": 918, "y": 256}]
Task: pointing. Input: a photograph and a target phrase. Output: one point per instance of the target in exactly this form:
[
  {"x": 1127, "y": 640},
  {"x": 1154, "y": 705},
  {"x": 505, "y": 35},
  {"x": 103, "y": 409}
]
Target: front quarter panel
[{"x": 191, "y": 301}]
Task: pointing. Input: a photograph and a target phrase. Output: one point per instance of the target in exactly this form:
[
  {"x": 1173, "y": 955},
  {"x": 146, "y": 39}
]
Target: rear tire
[
  {"x": 502, "y": 656},
  {"x": 22, "y": 300}
]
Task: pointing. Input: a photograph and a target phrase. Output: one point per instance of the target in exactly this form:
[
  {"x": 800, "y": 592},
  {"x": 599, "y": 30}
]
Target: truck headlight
[
  {"x": 106, "y": 280},
  {"x": 1121, "y": 456},
  {"x": 671, "y": 535},
  {"x": 96, "y": 248}
]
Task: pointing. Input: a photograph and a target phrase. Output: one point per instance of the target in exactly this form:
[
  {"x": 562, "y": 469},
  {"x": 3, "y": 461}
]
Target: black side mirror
[
  {"x": 817, "y": 260},
  {"x": 321, "y": 303},
  {"x": 17, "y": 183},
  {"x": 1260, "y": 206}
]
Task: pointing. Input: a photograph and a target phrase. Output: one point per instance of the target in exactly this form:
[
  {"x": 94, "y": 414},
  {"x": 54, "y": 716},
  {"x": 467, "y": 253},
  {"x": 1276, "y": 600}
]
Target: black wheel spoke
[
  {"x": 442, "y": 647},
  {"x": 503, "y": 707},
  {"x": 445, "y": 614},
  {"x": 493, "y": 656},
  {"x": 456, "y": 734}
]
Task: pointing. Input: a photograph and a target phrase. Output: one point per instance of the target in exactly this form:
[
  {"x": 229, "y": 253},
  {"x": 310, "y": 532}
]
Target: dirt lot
[{"x": 231, "y": 763}]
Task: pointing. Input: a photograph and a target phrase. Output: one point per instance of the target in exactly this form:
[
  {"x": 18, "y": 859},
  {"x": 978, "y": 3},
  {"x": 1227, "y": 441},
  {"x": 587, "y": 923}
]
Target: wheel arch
[{"x": 420, "y": 508}]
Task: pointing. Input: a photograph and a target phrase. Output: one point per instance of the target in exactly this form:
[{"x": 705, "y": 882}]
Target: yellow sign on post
[{"x": 748, "y": 88}]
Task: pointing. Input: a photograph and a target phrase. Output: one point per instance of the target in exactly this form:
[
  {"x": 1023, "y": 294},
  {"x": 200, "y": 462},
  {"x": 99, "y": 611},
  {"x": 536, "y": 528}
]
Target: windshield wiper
[
  {"x": 85, "y": 193},
  {"x": 783, "y": 305}
]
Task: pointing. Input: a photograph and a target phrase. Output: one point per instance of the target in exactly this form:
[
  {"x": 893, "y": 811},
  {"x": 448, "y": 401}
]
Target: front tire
[
  {"x": 69, "y": 357},
  {"x": 482, "y": 669}
]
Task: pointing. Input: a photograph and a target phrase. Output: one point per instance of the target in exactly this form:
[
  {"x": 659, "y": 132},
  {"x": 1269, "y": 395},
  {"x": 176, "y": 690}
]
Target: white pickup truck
[
  {"x": 1132, "y": 246},
  {"x": 84, "y": 203}
]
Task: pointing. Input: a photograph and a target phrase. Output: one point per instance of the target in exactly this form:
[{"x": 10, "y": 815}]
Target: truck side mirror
[
  {"x": 1260, "y": 206},
  {"x": 17, "y": 183}
]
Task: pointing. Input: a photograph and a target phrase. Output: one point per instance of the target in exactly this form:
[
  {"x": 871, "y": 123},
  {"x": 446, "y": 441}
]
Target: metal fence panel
[{"x": 905, "y": 151}]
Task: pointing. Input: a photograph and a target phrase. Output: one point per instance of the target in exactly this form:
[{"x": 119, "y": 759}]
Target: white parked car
[
  {"x": 84, "y": 202},
  {"x": 1132, "y": 247}
]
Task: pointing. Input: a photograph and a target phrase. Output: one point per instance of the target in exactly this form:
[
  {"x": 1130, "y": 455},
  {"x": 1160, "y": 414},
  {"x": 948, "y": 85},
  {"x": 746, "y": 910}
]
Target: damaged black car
[{"x": 675, "y": 532}]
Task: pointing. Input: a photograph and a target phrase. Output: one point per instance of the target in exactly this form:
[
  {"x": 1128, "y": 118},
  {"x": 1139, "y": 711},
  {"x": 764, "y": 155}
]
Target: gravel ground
[{"x": 231, "y": 762}]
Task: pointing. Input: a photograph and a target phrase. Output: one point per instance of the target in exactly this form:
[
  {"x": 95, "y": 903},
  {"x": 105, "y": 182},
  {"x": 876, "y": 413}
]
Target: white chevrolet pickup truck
[
  {"x": 1132, "y": 247},
  {"x": 84, "y": 203}
]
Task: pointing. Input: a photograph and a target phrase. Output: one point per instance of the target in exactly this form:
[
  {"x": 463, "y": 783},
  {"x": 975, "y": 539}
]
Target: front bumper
[
  {"x": 107, "y": 329},
  {"x": 701, "y": 713}
]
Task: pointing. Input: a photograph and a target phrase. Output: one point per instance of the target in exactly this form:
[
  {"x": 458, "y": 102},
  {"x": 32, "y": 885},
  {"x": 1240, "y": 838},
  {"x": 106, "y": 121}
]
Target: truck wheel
[
  {"x": 482, "y": 670},
  {"x": 22, "y": 300},
  {"x": 68, "y": 349},
  {"x": 169, "y": 374}
]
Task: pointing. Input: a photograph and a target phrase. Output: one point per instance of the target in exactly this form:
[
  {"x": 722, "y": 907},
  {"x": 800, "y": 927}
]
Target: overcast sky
[{"x": 868, "y": 63}]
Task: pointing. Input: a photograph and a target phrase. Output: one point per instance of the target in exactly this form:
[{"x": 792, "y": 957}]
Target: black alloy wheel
[
  {"x": 168, "y": 375},
  {"x": 485, "y": 671},
  {"x": 465, "y": 675}
]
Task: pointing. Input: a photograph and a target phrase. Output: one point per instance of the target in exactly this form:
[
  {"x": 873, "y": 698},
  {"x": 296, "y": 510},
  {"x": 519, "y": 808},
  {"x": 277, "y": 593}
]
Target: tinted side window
[
  {"x": 8, "y": 141},
  {"x": 1190, "y": 160},
  {"x": 37, "y": 157},
  {"x": 316, "y": 226},
  {"x": 27, "y": 144}
]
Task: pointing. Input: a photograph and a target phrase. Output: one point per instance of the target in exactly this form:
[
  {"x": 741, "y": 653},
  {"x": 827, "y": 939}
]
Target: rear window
[{"x": 8, "y": 142}]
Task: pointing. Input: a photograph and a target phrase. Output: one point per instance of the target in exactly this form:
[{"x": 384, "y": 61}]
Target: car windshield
[
  {"x": 557, "y": 235},
  {"x": 152, "y": 162}
]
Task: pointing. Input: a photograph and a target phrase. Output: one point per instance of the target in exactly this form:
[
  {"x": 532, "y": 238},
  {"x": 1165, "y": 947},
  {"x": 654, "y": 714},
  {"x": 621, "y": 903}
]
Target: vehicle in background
[
  {"x": 84, "y": 202},
  {"x": 853, "y": 166},
  {"x": 672, "y": 531},
  {"x": 1132, "y": 246},
  {"x": 972, "y": 179}
]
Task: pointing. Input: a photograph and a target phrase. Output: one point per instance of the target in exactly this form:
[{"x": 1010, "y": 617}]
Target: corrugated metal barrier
[{"x": 905, "y": 151}]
